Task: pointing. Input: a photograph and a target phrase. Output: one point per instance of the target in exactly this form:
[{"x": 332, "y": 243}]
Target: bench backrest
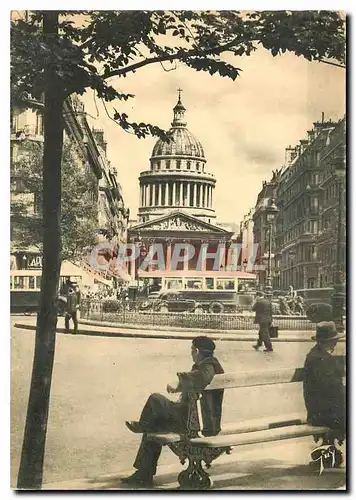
[
  {"x": 242, "y": 379},
  {"x": 261, "y": 377}
]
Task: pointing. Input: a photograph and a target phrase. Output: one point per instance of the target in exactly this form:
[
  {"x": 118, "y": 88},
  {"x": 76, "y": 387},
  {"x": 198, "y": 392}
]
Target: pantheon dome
[{"x": 178, "y": 178}]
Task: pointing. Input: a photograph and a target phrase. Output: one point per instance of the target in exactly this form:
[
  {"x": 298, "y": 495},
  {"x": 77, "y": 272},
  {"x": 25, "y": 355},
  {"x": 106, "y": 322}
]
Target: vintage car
[{"x": 199, "y": 301}]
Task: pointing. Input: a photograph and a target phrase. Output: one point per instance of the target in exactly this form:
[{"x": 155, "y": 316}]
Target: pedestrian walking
[
  {"x": 263, "y": 317},
  {"x": 160, "y": 414},
  {"x": 71, "y": 310}
]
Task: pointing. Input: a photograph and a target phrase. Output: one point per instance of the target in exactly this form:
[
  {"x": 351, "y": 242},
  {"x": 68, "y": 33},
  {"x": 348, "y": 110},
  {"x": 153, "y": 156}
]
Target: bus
[{"x": 215, "y": 291}]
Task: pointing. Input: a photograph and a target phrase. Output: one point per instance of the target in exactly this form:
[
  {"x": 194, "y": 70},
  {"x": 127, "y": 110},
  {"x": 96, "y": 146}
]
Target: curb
[{"x": 216, "y": 335}]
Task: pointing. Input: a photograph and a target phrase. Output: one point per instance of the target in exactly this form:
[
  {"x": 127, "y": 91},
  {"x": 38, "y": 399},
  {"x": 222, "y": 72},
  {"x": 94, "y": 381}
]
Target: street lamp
[
  {"x": 291, "y": 255},
  {"x": 271, "y": 212},
  {"x": 338, "y": 299}
]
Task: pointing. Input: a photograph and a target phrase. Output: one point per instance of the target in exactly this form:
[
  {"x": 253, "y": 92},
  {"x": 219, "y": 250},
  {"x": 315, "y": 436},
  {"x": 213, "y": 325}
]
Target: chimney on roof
[
  {"x": 99, "y": 138},
  {"x": 311, "y": 135},
  {"x": 290, "y": 155},
  {"x": 303, "y": 145}
]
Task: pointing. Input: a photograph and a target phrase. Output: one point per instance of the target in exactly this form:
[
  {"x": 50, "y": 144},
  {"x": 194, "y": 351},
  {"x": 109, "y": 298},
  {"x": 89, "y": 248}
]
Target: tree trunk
[{"x": 33, "y": 450}]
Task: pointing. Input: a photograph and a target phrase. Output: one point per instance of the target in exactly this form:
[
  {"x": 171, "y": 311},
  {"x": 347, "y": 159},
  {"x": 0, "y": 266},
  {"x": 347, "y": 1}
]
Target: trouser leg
[
  {"x": 259, "y": 340},
  {"x": 66, "y": 321},
  {"x": 158, "y": 414},
  {"x": 75, "y": 321},
  {"x": 161, "y": 414},
  {"x": 147, "y": 457},
  {"x": 264, "y": 331}
]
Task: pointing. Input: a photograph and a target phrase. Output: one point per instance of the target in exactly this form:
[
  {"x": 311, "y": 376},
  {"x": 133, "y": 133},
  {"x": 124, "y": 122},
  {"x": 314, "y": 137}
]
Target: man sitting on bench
[
  {"x": 324, "y": 392},
  {"x": 163, "y": 415}
]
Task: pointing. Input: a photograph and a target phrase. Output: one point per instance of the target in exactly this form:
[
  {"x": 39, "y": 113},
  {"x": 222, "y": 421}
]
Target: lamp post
[
  {"x": 292, "y": 255},
  {"x": 271, "y": 212},
  {"x": 338, "y": 299}
]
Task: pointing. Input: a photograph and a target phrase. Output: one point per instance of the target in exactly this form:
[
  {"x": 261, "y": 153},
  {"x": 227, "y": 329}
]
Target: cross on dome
[{"x": 178, "y": 110}]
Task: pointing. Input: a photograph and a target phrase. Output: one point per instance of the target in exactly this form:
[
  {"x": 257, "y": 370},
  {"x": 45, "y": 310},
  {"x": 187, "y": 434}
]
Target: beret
[{"x": 203, "y": 343}]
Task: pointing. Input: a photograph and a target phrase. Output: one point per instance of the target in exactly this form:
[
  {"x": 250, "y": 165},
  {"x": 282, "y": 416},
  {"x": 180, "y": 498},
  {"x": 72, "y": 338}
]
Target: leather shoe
[
  {"x": 256, "y": 347},
  {"x": 267, "y": 350},
  {"x": 134, "y": 426},
  {"x": 138, "y": 479}
]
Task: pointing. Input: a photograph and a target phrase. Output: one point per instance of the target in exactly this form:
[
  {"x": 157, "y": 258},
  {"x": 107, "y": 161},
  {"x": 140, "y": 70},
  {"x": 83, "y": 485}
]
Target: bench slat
[
  {"x": 250, "y": 379},
  {"x": 263, "y": 377},
  {"x": 264, "y": 436},
  {"x": 250, "y": 426}
]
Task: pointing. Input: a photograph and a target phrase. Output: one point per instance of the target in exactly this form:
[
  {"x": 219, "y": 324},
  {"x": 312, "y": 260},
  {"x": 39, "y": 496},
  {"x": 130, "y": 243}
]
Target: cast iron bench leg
[{"x": 194, "y": 477}]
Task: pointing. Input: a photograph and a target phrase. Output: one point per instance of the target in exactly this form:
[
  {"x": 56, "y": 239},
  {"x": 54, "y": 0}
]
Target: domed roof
[{"x": 182, "y": 141}]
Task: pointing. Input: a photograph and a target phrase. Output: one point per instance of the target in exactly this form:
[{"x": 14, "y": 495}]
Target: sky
[{"x": 244, "y": 125}]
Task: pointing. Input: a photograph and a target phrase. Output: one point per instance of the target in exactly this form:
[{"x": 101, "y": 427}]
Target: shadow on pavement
[{"x": 259, "y": 475}]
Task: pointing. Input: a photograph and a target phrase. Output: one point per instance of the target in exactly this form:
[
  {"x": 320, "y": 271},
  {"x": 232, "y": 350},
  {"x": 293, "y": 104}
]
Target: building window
[
  {"x": 198, "y": 166},
  {"x": 39, "y": 124},
  {"x": 188, "y": 165},
  {"x": 168, "y": 164},
  {"x": 178, "y": 164}
]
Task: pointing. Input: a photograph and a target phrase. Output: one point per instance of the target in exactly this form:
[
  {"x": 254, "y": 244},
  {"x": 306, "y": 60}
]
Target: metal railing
[{"x": 130, "y": 313}]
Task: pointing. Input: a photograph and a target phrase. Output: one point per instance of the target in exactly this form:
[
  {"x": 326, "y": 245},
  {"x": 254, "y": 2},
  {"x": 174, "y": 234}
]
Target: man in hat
[
  {"x": 160, "y": 414},
  {"x": 324, "y": 392},
  {"x": 72, "y": 307},
  {"x": 263, "y": 317}
]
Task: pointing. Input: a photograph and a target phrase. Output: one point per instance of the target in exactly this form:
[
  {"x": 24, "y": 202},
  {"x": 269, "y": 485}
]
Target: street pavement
[{"x": 99, "y": 381}]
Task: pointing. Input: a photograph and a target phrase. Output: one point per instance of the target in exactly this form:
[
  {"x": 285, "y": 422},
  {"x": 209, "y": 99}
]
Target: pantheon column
[
  {"x": 189, "y": 185},
  {"x": 174, "y": 194}
]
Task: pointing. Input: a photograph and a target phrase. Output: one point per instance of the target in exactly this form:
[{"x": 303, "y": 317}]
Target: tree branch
[
  {"x": 331, "y": 63},
  {"x": 170, "y": 57}
]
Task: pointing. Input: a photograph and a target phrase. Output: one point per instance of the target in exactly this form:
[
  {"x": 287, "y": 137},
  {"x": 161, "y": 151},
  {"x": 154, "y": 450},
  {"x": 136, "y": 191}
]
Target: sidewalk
[
  {"x": 88, "y": 327},
  {"x": 277, "y": 466}
]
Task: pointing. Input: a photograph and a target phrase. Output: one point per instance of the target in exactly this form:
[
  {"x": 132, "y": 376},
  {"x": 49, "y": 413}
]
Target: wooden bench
[{"x": 195, "y": 448}]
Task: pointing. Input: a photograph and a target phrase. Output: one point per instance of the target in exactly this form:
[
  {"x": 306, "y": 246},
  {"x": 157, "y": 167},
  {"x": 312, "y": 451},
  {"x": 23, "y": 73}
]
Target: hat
[
  {"x": 204, "y": 344},
  {"x": 326, "y": 330}
]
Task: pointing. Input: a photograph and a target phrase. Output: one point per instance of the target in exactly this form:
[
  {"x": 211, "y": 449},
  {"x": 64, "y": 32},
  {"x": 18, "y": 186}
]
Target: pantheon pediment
[{"x": 178, "y": 221}]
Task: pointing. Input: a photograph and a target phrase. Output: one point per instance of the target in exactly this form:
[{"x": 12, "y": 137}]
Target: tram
[{"x": 25, "y": 289}]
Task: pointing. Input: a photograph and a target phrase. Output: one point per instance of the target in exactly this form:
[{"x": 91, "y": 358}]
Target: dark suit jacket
[
  {"x": 199, "y": 377},
  {"x": 263, "y": 310},
  {"x": 324, "y": 392}
]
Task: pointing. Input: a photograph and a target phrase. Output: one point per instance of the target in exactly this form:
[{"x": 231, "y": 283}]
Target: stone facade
[
  {"x": 88, "y": 149},
  {"x": 305, "y": 240},
  {"x": 261, "y": 228}
]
